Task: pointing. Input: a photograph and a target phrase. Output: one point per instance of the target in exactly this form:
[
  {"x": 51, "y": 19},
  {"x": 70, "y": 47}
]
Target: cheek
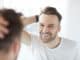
[
  {"x": 40, "y": 29},
  {"x": 51, "y": 29},
  {"x": 54, "y": 31}
]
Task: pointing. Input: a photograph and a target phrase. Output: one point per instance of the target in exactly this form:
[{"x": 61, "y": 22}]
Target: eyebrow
[{"x": 49, "y": 24}]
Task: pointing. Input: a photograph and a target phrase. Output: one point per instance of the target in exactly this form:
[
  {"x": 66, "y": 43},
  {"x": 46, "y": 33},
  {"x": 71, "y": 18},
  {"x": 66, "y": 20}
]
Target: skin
[
  {"x": 3, "y": 25},
  {"x": 49, "y": 26},
  {"x": 14, "y": 47}
]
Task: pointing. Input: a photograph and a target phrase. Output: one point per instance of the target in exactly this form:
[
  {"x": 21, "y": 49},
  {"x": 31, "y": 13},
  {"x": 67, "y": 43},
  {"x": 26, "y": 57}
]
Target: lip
[{"x": 45, "y": 35}]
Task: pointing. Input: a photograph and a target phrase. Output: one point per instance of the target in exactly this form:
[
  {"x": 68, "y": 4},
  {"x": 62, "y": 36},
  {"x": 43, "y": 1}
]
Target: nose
[{"x": 45, "y": 29}]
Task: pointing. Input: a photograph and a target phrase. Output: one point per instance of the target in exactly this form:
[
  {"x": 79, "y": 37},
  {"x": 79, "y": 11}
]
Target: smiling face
[{"x": 49, "y": 27}]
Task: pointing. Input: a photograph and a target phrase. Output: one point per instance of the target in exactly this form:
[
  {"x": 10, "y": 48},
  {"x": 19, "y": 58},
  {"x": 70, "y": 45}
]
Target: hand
[{"x": 3, "y": 29}]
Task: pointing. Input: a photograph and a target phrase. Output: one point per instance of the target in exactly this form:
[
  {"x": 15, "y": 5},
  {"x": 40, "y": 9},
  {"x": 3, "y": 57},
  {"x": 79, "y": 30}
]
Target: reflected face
[{"x": 49, "y": 26}]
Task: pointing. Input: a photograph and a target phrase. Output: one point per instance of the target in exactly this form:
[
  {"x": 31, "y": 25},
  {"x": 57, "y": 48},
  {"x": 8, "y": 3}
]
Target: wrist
[{"x": 37, "y": 18}]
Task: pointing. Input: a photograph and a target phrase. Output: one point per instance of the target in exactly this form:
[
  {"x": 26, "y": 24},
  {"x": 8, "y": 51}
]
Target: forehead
[{"x": 48, "y": 19}]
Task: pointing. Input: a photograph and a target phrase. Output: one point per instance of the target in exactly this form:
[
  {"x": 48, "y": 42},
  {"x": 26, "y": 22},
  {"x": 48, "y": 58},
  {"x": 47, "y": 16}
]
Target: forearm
[
  {"x": 28, "y": 20},
  {"x": 25, "y": 35}
]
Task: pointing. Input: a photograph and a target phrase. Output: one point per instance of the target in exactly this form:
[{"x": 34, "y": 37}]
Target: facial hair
[
  {"x": 47, "y": 37},
  {"x": 15, "y": 58}
]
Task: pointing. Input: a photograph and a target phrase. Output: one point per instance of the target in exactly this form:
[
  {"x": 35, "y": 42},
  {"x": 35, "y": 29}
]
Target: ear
[{"x": 16, "y": 46}]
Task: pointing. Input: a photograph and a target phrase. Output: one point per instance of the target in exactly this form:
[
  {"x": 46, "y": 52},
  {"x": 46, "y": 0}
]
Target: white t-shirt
[
  {"x": 25, "y": 53},
  {"x": 67, "y": 50}
]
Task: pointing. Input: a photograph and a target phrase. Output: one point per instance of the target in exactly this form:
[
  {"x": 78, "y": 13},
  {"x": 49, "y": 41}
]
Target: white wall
[{"x": 73, "y": 20}]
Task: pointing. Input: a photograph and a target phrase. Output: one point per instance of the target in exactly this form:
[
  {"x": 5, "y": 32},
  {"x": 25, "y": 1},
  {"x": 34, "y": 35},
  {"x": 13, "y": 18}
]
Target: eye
[
  {"x": 41, "y": 25},
  {"x": 51, "y": 26}
]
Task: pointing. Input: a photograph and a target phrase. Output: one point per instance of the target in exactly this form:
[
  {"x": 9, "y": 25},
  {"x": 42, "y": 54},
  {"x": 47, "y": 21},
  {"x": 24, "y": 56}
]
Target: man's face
[{"x": 49, "y": 27}]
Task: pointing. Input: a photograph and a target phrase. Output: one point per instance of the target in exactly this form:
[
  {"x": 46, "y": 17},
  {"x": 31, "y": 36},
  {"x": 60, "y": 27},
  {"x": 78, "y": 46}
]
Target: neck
[
  {"x": 54, "y": 43},
  {"x": 4, "y": 56}
]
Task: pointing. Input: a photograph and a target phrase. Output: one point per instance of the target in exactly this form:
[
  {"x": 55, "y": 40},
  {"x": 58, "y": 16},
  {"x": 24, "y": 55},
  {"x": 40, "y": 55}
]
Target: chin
[{"x": 45, "y": 40}]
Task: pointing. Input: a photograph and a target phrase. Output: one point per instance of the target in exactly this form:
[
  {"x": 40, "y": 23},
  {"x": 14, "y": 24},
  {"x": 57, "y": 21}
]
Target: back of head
[{"x": 14, "y": 27}]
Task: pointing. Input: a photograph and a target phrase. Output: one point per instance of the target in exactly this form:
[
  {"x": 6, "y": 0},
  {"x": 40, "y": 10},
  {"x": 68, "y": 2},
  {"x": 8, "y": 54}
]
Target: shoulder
[
  {"x": 34, "y": 38},
  {"x": 69, "y": 43}
]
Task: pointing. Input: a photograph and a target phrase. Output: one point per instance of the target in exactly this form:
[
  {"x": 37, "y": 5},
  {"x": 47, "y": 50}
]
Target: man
[
  {"x": 48, "y": 45},
  {"x": 10, "y": 42}
]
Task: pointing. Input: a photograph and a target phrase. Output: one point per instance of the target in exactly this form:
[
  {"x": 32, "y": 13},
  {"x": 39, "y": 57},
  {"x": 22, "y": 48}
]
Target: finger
[
  {"x": 3, "y": 22},
  {"x": 3, "y": 29},
  {"x": 1, "y": 35}
]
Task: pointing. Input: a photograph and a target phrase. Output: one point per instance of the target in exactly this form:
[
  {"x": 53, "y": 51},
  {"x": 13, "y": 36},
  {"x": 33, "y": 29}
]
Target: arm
[
  {"x": 26, "y": 36},
  {"x": 28, "y": 20}
]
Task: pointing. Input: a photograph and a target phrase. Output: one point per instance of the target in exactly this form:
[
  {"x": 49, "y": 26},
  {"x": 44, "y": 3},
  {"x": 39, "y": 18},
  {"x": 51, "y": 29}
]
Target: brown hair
[
  {"x": 14, "y": 27},
  {"x": 51, "y": 11}
]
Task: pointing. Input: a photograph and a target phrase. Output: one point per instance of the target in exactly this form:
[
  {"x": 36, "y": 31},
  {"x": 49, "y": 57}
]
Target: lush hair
[
  {"x": 14, "y": 27},
  {"x": 51, "y": 11}
]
